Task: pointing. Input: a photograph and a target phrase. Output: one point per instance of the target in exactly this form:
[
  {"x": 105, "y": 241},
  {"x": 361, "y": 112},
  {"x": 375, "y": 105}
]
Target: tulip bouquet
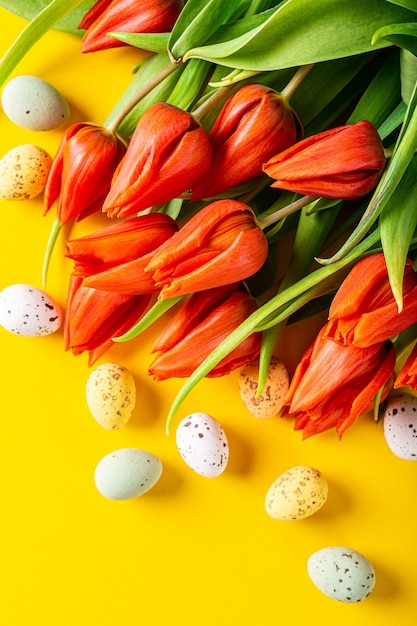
[{"x": 247, "y": 121}]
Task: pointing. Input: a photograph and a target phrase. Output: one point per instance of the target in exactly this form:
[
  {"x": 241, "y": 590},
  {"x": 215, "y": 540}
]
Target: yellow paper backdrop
[{"x": 193, "y": 551}]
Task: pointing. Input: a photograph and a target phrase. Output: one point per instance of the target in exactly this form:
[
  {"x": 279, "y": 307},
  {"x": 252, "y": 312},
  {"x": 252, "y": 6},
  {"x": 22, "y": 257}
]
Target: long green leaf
[
  {"x": 341, "y": 28},
  {"x": 152, "y": 42},
  {"x": 28, "y": 9},
  {"x": 35, "y": 29},
  {"x": 402, "y": 35},
  {"x": 198, "y": 20},
  {"x": 397, "y": 222}
]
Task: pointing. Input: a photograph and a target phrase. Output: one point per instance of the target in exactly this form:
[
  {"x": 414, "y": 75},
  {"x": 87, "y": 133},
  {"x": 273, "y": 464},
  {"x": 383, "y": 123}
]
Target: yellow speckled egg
[
  {"x": 111, "y": 395},
  {"x": 297, "y": 493},
  {"x": 269, "y": 403},
  {"x": 23, "y": 172}
]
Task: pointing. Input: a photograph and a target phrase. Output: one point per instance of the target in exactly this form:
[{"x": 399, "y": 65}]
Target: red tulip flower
[
  {"x": 219, "y": 245},
  {"x": 407, "y": 377},
  {"x": 126, "y": 16},
  {"x": 168, "y": 152},
  {"x": 114, "y": 258},
  {"x": 93, "y": 317},
  {"x": 364, "y": 311},
  {"x": 253, "y": 125},
  {"x": 334, "y": 385},
  {"x": 82, "y": 170},
  {"x": 203, "y": 322},
  {"x": 342, "y": 163}
]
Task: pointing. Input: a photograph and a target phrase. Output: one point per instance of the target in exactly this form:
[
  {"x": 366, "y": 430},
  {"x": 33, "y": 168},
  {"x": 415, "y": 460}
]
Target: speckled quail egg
[
  {"x": 400, "y": 425},
  {"x": 29, "y": 311},
  {"x": 296, "y": 494},
  {"x": 111, "y": 395},
  {"x": 34, "y": 104},
  {"x": 23, "y": 172},
  {"x": 270, "y": 402},
  {"x": 341, "y": 573},
  {"x": 127, "y": 473},
  {"x": 203, "y": 445}
]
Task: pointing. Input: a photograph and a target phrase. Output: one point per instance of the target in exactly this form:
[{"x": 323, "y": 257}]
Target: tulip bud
[
  {"x": 219, "y": 245},
  {"x": 342, "y": 163},
  {"x": 126, "y": 16},
  {"x": 203, "y": 322},
  {"x": 254, "y": 124},
  {"x": 82, "y": 170},
  {"x": 168, "y": 152}
]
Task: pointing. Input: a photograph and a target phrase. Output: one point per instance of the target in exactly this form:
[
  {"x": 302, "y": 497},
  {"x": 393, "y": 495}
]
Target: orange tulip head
[
  {"x": 202, "y": 323},
  {"x": 254, "y": 124},
  {"x": 82, "y": 170},
  {"x": 126, "y": 16},
  {"x": 219, "y": 245},
  {"x": 168, "y": 152},
  {"x": 342, "y": 163}
]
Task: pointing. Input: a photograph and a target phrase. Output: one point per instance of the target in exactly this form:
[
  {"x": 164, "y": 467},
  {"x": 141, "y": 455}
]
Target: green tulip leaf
[
  {"x": 29, "y": 9},
  {"x": 49, "y": 15},
  {"x": 198, "y": 20},
  {"x": 397, "y": 222},
  {"x": 284, "y": 38},
  {"x": 406, "y": 4},
  {"x": 152, "y": 42},
  {"x": 408, "y": 74},
  {"x": 155, "y": 312},
  {"x": 401, "y": 35}
]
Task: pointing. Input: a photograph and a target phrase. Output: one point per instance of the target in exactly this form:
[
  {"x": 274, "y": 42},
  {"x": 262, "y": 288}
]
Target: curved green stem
[
  {"x": 35, "y": 29},
  {"x": 53, "y": 236}
]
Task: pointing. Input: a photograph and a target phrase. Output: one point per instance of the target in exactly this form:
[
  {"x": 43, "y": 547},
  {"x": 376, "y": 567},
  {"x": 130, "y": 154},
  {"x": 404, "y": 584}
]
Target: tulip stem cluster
[{"x": 278, "y": 215}]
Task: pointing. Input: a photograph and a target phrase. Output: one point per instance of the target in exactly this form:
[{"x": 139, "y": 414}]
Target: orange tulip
[
  {"x": 364, "y": 312},
  {"x": 343, "y": 163},
  {"x": 334, "y": 385},
  {"x": 114, "y": 258},
  {"x": 199, "y": 327},
  {"x": 253, "y": 125},
  {"x": 219, "y": 245},
  {"x": 408, "y": 373},
  {"x": 126, "y": 16},
  {"x": 93, "y": 317},
  {"x": 168, "y": 152},
  {"x": 82, "y": 170}
]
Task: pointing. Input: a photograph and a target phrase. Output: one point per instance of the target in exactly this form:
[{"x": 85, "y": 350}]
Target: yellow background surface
[{"x": 193, "y": 551}]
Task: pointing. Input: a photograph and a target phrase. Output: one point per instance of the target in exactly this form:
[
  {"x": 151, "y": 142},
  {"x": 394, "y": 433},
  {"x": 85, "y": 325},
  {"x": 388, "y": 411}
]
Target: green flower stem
[
  {"x": 211, "y": 101},
  {"x": 296, "y": 81},
  {"x": 295, "y": 206},
  {"x": 153, "y": 82},
  {"x": 261, "y": 318},
  {"x": 53, "y": 236},
  {"x": 35, "y": 29}
]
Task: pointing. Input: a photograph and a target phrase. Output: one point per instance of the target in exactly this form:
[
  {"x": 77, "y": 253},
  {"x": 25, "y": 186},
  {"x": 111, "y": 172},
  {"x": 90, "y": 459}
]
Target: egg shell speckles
[
  {"x": 270, "y": 402},
  {"x": 32, "y": 103},
  {"x": 296, "y": 494},
  {"x": 28, "y": 311},
  {"x": 400, "y": 426},
  {"x": 127, "y": 473},
  {"x": 203, "y": 445},
  {"x": 111, "y": 395},
  {"x": 342, "y": 574},
  {"x": 23, "y": 172}
]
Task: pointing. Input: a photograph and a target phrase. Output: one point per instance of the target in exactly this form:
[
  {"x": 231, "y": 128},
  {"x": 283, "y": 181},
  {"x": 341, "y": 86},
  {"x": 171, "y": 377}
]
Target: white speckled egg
[
  {"x": 203, "y": 444},
  {"x": 23, "y": 172},
  {"x": 29, "y": 311},
  {"x": 341, "y": 573},
  {"x": 111, "y": 395},
  {"x": 400, "y": 426},
  {"x": 270, "y": 402},
  {"x": 127, "y": 473},
  {"x": 296, "y": 494},
  {"x": 34, "y": 104}
]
